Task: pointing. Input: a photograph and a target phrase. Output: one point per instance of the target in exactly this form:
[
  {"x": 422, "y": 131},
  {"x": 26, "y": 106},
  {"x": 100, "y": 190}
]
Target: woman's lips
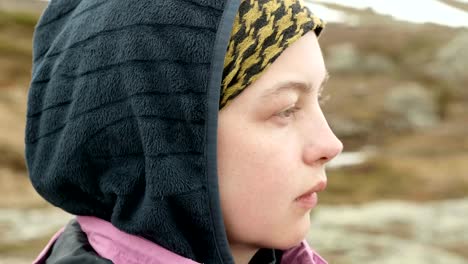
[{"x": 308, "y": 200}]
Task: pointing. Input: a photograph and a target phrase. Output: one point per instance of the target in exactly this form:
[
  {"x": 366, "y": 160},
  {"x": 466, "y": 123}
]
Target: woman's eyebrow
[{"x": 304, "y": 87}]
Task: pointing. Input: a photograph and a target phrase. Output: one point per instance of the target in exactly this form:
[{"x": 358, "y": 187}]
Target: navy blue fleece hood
[{"x": 122, "y": 116}]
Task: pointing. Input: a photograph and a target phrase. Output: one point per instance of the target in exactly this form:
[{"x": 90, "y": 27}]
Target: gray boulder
[
  {"x": 346, "y": 58},
  {"x": 451, "y": 61},
  {"x": 411, "y": 106},
  {"x": 342, "y": 58},
  {"x": 377, "y": 63}
]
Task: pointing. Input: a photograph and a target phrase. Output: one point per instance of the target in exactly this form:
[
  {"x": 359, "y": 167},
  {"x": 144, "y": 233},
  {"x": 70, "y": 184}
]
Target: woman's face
[{"x": 273, "y": 145}]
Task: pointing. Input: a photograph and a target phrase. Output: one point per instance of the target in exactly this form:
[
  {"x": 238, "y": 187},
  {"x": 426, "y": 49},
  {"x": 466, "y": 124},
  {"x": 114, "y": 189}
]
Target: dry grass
[
  {"x": 16, "y": 30},
  {"x": 15, "y": 189},
  {"x": 402, "y": 179},
  {"x": 396, "y": 42},
  {"x": 20, "y": 68},
  {"x": 17, "y": 192},
  {"x": 374, "y": 180},
  {"x": 459, "y": 249},
  {"x": 446, "y": 140},
  {"x": 12, "y": 120},
  {"x": 26, "y": 249},
  {"x": 25, "y": 19},
  {"x": 423, "y": 166},
  {"x": 428, "y": 165}
]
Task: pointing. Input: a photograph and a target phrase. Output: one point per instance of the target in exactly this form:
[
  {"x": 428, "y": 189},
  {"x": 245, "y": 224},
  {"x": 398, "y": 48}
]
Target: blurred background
[{"x": 397, "y": 98}]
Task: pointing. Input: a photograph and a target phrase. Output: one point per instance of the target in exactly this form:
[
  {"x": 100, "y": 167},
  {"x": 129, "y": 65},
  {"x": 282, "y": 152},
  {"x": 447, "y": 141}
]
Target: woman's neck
[{"x": 242, "y": 254}]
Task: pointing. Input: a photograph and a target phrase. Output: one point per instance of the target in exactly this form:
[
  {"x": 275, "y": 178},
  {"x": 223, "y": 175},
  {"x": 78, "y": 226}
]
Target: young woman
[{"x": 179, "y": 131}]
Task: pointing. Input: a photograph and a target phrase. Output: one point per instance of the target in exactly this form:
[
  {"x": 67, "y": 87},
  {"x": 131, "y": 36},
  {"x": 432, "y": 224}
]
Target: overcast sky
[{"x": 417, "y": 11}]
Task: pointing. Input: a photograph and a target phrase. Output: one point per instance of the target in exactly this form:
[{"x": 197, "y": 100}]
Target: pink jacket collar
[{"x": 120, "y": 247}]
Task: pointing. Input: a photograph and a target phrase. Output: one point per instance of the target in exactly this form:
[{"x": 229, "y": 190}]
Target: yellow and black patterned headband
[{"x": 262, "y": 30}]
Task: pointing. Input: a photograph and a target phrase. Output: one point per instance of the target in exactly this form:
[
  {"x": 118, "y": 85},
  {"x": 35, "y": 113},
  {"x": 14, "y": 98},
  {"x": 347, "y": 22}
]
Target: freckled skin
[{"x": 269, "y": 154}]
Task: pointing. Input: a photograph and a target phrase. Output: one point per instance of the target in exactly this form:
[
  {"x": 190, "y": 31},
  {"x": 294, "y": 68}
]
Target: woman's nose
[{"x": 322, "y": 146}]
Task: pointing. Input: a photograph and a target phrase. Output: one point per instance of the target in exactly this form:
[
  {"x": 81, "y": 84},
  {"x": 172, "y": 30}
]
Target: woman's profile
[{"x": 179, "y": 131}]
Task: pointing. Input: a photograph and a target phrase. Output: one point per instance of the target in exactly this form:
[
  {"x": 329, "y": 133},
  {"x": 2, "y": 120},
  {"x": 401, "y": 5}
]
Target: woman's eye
[{"x": 288, "y": 112}]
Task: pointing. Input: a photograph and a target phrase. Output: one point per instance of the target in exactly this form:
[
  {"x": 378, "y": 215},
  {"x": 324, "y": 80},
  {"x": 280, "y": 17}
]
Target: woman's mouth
[{"x": 308, "y": 200}]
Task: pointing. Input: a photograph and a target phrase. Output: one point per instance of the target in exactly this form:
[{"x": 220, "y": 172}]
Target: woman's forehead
[{"x": 300, "y": 67}]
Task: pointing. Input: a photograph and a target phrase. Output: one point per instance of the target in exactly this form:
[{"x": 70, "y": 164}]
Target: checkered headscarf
[{"x": 262, "y": 30}]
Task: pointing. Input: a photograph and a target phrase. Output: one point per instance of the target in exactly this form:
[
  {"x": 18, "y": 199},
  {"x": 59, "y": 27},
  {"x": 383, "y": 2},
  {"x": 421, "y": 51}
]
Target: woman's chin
[{"x": 294, "y": 235}]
